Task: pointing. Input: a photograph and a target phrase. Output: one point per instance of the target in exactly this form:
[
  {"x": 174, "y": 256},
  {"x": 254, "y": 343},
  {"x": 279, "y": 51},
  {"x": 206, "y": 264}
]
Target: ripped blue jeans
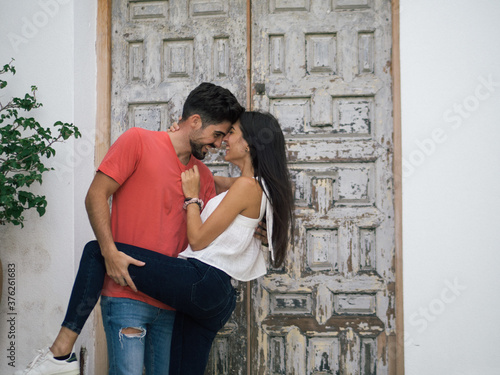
[{"x": 128, "y": 353}]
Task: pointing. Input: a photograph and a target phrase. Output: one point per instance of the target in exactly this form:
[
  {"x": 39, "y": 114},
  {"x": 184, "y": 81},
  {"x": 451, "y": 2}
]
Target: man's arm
[
  {"x": 96, "y": 203},
  {"x": 223, "y": 184}
]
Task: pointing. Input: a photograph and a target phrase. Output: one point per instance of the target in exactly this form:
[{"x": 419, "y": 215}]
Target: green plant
[{"x": 24, "y": 144}]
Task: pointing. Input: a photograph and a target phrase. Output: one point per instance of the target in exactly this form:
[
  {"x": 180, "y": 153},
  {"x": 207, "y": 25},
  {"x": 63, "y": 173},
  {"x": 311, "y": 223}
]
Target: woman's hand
[
  {"x": 191, "y": 182},
  {"x": 175, "y": 126}
]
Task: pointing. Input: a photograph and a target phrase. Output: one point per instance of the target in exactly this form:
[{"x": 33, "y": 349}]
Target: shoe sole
[{"x": 70, "y": 372}]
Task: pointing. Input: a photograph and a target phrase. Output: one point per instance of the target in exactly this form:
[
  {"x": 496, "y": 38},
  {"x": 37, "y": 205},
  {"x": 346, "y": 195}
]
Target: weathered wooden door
[{"x": 323, "y": 68}]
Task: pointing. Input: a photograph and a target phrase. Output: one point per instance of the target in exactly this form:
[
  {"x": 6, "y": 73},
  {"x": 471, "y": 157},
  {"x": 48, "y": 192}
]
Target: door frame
[
  {"x": 102, "y": 143},
  {"x": 398, "y": 187}
]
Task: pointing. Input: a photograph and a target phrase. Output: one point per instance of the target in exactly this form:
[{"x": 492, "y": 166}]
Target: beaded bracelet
[{"x": 188, "y": 201}]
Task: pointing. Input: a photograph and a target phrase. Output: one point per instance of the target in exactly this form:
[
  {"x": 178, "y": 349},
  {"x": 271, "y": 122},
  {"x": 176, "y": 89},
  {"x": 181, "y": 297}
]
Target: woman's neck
[{"x": 246, "y": 168}]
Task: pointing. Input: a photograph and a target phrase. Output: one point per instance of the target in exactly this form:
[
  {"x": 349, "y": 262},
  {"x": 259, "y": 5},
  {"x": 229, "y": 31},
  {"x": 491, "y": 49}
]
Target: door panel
[
  {"x": 161, "y": 50},
  {"x": 323, "y": 68}
]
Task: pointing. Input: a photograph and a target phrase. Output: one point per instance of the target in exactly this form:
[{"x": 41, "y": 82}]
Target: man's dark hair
[{"x": 214, "y": 104}]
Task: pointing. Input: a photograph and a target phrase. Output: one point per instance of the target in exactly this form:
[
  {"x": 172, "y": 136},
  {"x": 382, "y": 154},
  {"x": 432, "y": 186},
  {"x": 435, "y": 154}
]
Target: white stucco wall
[
  {"x": 53, "y": 44},
  {"x": 450, "y": 58}
]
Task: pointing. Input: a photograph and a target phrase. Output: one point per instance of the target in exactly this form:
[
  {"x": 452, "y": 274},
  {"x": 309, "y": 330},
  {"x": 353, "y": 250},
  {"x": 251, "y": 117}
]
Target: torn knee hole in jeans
[{"x": 133, "y": 332}]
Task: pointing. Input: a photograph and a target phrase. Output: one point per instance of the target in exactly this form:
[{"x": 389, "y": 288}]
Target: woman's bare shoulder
[
  {"x": 246, "y": 187},
  {"x": 246, "y": 183}
]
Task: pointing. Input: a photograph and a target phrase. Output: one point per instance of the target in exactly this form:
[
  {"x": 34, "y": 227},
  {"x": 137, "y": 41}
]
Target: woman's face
[{"x": 236, "y": 146}]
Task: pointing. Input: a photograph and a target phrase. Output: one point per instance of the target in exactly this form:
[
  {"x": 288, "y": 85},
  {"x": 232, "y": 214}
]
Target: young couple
[{"x": 171, "y": 242}]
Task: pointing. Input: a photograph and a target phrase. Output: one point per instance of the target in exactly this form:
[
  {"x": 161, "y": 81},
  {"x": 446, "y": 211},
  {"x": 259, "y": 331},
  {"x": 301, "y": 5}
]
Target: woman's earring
[{"x": 247, "y": 149}]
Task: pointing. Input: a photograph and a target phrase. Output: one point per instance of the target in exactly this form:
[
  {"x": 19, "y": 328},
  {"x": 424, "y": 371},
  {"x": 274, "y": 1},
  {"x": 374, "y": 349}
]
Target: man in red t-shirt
[{"x": 142, "y": 172}]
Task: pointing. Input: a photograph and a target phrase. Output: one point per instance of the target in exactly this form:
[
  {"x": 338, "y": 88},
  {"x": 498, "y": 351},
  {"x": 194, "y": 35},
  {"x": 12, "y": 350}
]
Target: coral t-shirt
[{"x": 147, "y": 207}]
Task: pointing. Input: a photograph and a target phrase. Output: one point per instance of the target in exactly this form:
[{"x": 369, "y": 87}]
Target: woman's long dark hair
[{"x": 267, "y": 150}]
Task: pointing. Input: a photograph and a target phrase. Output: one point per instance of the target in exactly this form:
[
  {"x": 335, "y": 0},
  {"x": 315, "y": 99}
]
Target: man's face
[{"x": 203, "y": 139}]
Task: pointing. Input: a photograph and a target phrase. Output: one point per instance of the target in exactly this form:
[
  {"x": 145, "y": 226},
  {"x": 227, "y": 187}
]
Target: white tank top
[{"x": 235, "y": 251}]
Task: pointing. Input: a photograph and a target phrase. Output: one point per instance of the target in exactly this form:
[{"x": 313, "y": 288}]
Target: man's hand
[
  {"x": 261, "y": 233},
  {"x": 117, "y": 267},
  {"x": 223, "y": 184}
]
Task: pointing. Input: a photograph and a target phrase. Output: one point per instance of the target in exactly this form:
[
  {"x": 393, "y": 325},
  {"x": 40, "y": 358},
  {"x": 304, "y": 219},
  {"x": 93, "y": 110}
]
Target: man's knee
[{"x": 132, "y": 332}]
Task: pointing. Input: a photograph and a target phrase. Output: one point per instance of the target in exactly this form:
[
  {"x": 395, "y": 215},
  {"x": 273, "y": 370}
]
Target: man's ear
[{"x": 194, "y": 121}]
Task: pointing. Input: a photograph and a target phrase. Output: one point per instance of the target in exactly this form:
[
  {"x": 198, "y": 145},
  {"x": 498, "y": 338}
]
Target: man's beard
[{"x": 197, "y": 150}]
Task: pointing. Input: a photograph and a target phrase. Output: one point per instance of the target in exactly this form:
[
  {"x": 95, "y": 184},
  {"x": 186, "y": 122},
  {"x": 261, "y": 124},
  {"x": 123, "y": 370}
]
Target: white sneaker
[{"x": 45, "y": 364}]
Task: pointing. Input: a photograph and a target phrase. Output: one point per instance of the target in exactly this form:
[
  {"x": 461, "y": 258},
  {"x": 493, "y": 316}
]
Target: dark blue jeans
[{"x": 202, "y": 295}]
